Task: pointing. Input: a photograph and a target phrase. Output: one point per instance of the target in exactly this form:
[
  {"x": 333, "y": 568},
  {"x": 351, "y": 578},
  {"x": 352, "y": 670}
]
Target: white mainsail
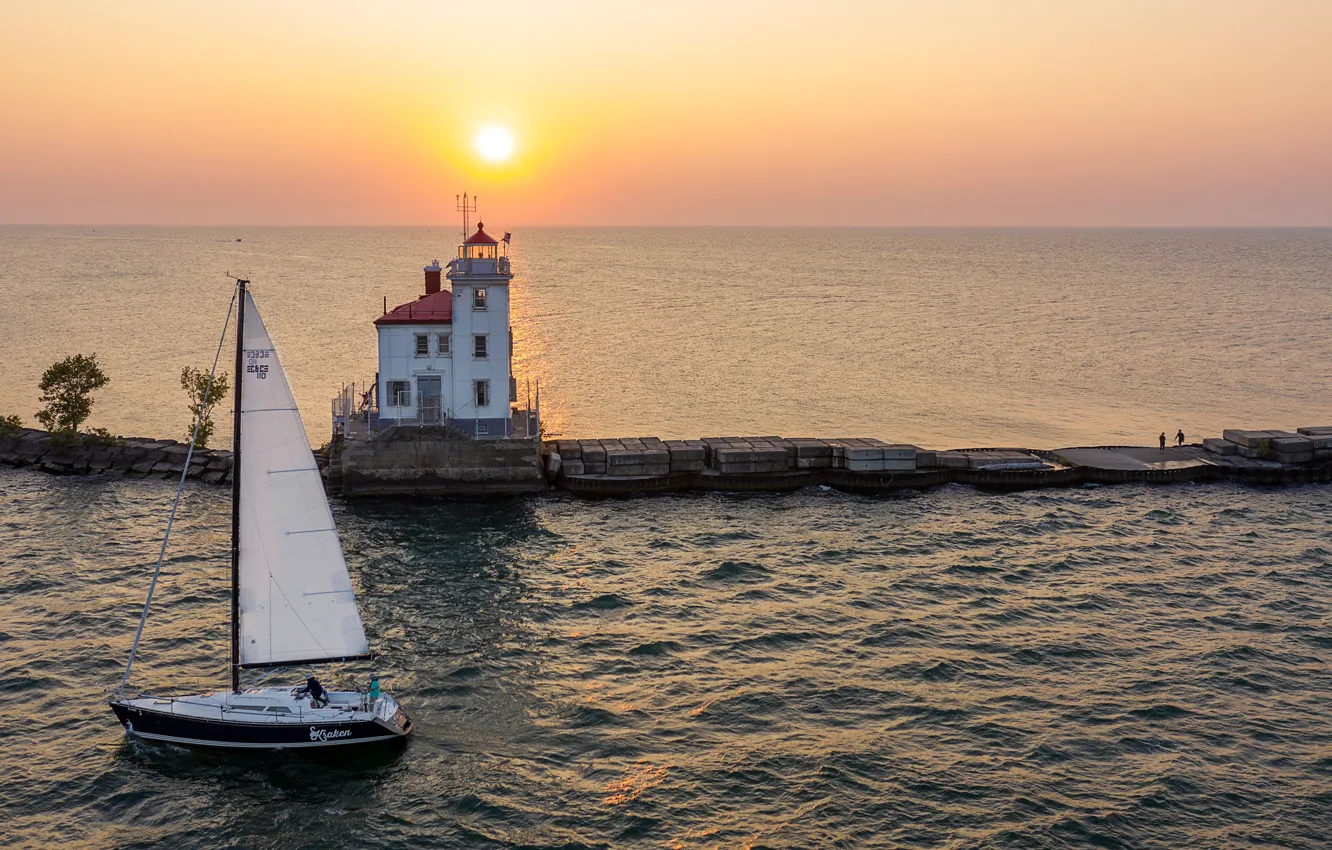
[{"x": 295, "y": 597}]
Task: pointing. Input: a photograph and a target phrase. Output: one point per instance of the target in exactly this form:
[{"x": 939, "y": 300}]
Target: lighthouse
[{"x": 447, "y": 357}]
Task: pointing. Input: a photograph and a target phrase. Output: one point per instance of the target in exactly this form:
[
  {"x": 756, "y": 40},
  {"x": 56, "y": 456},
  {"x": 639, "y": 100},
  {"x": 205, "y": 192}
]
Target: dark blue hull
[{"x": 221, "y": 734}]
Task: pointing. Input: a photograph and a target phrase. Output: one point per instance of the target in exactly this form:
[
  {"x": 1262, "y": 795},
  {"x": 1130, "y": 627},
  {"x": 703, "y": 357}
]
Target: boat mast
[{"x": 236, "y": 487}]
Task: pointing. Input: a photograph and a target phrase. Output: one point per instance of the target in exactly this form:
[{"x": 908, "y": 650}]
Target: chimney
[{"x": 432, "y": 277}]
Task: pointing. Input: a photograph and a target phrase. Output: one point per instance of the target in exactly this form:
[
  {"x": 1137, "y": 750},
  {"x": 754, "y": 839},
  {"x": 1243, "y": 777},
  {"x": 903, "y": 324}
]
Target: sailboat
[{"x": 292, "y": 603}]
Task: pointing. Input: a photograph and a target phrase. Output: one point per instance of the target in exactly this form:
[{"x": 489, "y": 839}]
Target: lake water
[
  {"x": 1112, "y": 666},
  {"x": 944, "y": 338}
]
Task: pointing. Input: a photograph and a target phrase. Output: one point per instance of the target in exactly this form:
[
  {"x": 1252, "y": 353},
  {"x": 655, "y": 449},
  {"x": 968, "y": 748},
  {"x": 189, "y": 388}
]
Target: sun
[{"x": 494, "y": 143}]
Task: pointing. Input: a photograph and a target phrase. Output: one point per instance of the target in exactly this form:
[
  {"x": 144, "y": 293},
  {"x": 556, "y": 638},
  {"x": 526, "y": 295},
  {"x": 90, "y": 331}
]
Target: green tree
[
  {"x": 202, "y": 401},
  {"x": 67, "y": 389},
  {"x": 11, "y": 424}
]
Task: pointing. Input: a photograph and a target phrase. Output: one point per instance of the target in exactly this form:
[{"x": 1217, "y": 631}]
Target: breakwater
[
  {"x": 639, "y": 465},
  {"x": 439, "y": 462},
  {"x": 131, "y": 456}
]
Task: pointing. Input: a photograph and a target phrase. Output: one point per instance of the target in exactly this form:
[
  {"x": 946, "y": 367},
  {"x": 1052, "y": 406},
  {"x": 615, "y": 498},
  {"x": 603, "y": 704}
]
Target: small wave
[
  {"x": 604, "y": 602},
  {"x": 736, "y": 571},
  {"x": 658, "y": 647},
  {"x": 1160, "y": 712}
]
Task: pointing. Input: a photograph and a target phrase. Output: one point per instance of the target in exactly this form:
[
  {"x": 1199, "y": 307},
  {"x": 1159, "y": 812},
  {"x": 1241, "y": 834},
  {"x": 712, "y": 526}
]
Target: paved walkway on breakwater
[{"x": 639, "y": 465}]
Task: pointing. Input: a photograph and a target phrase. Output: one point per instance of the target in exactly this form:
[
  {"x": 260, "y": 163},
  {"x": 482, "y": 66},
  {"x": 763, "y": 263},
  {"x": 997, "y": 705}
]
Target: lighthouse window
[
  {"x": 479, "y": 346},
  {"x": 479, "y": 299},
  {"x": 400, "y": 392},
  {"x": 422, "y": 345},
  {"x": 442, "y": 345},
  {"x": 481, "y": 389}
]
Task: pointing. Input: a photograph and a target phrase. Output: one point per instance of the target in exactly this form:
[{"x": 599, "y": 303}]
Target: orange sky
[{"x": 892, "y": 113}]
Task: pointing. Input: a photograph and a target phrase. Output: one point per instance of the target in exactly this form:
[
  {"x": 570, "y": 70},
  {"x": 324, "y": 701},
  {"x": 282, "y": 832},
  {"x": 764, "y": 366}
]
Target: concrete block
[
  {"x": 626, "y": 469},
  {"x": 594, "y": 454},
  {"x": 814, "y": 462},
  {"x": 1224, "y": 448},
  {"x": 574, "y": 467},
  {"x": 1321, "y": 442},
  {"x": 900, "y": 452},
  {"x": 594, "y": 468},
  {"x": 863, "y": 453},
  {"x": 736, "y": 467},
  {"x": 899, "y": 465},
  {"x": 685, "y": 453},
  {"x": 1322, "y": 454},
  {"x": 623, "y": 457},
  {"x": 925, "y": 458},
  {"x": 570, "y": 450},
  {"x": 771, "y": 455},
  {"x": 1316, "y": 431},
  {"x": 811, "y": 450},
  {"x": 656, "y": 469},
  {"x": 1292, "y": 457},
  {"x": 854, "y": 464},
  {"x": 770, "y": 465},
  {"x": 1250, "y": 439},
  {"x": 1247, "y": 451},
  {"x": 1291, "y": 445},
  {"x": 721, "y": 457},
  {"x": 657, "y": 457}
]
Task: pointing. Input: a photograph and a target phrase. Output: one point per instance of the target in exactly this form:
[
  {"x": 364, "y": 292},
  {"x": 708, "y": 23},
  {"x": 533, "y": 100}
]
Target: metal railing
[
  {"x": 357, "y": 416},
  {"x": 299, "y": 713}
]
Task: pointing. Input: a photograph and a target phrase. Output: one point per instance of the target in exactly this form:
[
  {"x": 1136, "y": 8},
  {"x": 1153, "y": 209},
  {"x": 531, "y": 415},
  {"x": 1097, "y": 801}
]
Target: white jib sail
[{"x": 296, "y": 599}]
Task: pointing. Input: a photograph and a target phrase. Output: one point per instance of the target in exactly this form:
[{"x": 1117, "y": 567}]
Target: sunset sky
[{"x": 681, "y": 112}]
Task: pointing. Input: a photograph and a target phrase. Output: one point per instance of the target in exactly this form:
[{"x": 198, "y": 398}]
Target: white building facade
[{"x": 447, "y": 358}]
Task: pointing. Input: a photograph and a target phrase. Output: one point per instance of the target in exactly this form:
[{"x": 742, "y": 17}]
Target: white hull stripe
[{"x": 205, "y": 742}]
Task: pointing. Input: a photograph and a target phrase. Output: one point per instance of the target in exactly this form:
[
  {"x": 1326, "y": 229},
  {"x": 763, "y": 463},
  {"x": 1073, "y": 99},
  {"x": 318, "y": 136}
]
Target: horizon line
[{"x": 93, "y": 225}]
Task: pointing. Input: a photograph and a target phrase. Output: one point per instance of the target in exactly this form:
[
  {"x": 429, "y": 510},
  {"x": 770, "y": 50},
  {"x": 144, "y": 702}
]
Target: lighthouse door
[{"x": 432, "y": 399}]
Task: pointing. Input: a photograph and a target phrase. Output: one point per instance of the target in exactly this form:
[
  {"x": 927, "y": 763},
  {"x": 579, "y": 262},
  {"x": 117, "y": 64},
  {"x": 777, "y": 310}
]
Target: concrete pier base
[{"x": 437, "y": 461}]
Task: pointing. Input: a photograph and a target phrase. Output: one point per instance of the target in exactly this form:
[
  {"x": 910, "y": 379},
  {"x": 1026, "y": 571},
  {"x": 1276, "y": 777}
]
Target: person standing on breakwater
[
  {"x": 1163, "y": 441},
  {"x": 1179, "y": 438}
]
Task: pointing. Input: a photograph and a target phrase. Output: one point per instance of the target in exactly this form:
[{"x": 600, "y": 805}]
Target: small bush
[
  {"x": 100, "y": 437},
  {"x": 203, "y": 398},
  {"x": 10, "y": 425}
]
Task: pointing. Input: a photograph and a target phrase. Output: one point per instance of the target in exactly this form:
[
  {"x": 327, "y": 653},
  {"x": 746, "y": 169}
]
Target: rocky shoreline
[{"x": 138, "y": 457}]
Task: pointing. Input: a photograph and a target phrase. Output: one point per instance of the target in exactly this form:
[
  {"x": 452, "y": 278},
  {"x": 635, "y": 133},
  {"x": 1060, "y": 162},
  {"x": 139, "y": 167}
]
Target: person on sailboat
[
  {"x": 374, "y": 688},
  {"x": 314, "y": 690}
]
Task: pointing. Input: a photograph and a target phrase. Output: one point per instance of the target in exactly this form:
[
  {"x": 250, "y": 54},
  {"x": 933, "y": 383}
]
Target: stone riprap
[{"x": 134, "y": 456}]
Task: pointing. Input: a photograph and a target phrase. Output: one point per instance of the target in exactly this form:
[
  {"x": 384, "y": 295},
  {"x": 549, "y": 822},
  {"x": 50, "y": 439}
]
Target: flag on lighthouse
[{"x": 507, "y": 237}]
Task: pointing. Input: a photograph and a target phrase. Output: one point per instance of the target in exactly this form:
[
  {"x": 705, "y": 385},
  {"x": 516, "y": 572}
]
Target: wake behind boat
[{"x": 292, "y": 602}]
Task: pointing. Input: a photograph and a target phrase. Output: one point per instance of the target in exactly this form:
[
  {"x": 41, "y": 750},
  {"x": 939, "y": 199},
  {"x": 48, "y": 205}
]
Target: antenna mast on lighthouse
[{"x": 466, "y": 211}]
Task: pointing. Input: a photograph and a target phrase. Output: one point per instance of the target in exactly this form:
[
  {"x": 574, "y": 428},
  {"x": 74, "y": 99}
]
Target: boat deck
[{"x": 270, "y": 705}]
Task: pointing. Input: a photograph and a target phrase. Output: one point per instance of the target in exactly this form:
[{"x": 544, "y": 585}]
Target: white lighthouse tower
[
  {"x": 482, "y": 336},
  {"x": 447, "y": 357}
]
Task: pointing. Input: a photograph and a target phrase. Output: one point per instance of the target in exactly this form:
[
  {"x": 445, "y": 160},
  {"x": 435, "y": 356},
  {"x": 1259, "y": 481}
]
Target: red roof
[
  {"x": 480, "y": 237},
  {"x": 434, "y": 309}
]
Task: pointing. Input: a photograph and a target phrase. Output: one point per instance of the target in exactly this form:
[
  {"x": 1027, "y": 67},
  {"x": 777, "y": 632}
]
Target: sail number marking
[{"x": 252, "y": 364}]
